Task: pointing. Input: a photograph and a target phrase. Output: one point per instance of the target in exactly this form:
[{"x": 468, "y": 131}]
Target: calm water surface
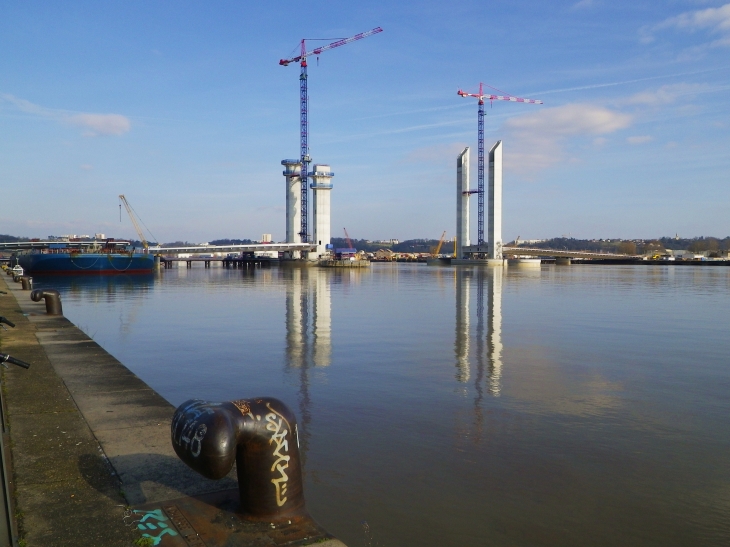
[{"x": 556, "y": 406}]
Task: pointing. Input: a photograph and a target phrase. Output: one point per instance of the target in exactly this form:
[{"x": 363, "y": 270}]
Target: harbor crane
[
  {"x": 347, "y": 238},
  {"x": 133, "y": 218},
  {"x": 481, "y": 96},
  {"x": 303, "y": 113},
  {"x": 437, "y": 249}
]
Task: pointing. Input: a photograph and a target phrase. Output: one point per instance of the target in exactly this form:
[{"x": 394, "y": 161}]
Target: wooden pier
[{"x": 242, "y": 263}]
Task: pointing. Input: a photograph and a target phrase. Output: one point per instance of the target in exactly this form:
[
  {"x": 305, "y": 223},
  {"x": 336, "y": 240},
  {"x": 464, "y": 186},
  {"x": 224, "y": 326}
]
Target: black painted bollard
[
  {"x": 27, "y": 283},
  {"x": 52, "y": 297},
  {"x": 260, "y": 435},
  {"x": 16, "y": 278}
]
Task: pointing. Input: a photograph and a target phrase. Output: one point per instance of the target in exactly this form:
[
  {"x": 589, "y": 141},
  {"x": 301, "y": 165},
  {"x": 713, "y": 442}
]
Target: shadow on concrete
[{"x": 147, "y": 478}]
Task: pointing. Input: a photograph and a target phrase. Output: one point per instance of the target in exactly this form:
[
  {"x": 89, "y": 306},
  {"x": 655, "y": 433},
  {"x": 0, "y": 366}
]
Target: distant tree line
[
  {"x": 634, "y": 246},
  {"x": 231, "y": 242},
  {"x": 409, "y": 246},
  {"x": 623, "y": 246},
  {"x": 214, "y": 242},
  {"x": 5, "y": 238}
]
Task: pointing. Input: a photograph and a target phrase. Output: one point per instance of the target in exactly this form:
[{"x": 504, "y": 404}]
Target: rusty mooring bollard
[
  {"x": 27, "y": 283},
  {"x": 260, "y": 436},
  {"x": 52, "y": 297}
]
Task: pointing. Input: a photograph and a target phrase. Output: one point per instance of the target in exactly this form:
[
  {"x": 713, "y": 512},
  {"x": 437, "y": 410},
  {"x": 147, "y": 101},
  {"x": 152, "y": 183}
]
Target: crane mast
[
  {"x": 134, "y": 222},
  {"x": 437, "y": 249},
  {"x": 304, "y": 146},
  {"x": 347, "y": 238},
  {"x": 480, "y": 157},
  {"x": 305, "y": 158}
]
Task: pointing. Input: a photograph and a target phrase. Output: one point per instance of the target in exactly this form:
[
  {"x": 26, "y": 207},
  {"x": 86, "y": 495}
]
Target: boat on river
[{"x": 85, "y": 257}]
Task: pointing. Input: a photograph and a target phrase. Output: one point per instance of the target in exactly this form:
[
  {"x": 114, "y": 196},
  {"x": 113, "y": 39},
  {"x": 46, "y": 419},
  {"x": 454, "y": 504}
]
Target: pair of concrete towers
[
  {"x": 494, "y": 206},
  {"x": 321, "y": 186}
]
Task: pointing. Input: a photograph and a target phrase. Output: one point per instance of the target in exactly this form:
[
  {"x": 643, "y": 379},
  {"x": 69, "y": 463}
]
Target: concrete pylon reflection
[
  {"x": 461, "y": 345},
  {"x": 494, "y": 329},
  {"x": 322, "y": 321},
  {"x": 294, "y": 323},
  {"x": 308, "y": 334},
  {"x": 487, "y": 354},
  {"x": 308, "y": 318}
]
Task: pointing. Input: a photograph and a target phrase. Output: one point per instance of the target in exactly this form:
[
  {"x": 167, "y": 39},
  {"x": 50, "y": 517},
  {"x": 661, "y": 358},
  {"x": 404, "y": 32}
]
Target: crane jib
[{"x": 338, "y": 43}]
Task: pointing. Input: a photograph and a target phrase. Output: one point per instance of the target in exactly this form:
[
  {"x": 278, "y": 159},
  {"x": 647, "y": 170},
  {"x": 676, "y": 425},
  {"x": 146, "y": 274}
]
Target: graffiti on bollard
[{"x": 260, "y": 435}]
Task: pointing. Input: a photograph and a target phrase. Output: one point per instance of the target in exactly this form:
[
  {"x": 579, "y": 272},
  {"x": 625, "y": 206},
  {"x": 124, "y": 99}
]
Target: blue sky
[{"x": 183, "y": 107}]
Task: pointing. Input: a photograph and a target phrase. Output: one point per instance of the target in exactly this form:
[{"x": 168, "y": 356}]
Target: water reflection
[
  {"x": 308, "y": 334},
  {"x": 104, "y": 288},
  {"x": 488, "y": 356},
  {"x": 97, "y": 287}
]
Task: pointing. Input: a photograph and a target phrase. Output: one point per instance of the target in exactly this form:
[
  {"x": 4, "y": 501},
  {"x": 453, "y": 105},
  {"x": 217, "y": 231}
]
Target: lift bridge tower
[{"x": 495, "y": 183}]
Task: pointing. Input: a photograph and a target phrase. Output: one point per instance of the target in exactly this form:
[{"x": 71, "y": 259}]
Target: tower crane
[
  {"x": 303, "y": 112},
  {"x": 481, "y": 96}
]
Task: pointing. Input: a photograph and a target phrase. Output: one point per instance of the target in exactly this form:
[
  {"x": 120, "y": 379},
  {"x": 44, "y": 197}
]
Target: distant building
[{"x": 266, "y": 238}]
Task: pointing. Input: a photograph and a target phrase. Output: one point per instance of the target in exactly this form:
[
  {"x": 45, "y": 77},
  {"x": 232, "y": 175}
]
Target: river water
[{"x": 552, "y": 406}]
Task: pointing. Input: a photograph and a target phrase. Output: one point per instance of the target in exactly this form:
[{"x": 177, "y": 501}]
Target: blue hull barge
[{"x": 92, "y": 257}]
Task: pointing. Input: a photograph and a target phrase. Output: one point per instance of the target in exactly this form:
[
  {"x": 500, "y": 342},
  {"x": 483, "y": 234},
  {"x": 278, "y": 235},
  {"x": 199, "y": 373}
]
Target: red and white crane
[
  {"x": 304, "y": 107},
  {"x": 347, "y": 238},
  {"x": 481, "y": 96}
]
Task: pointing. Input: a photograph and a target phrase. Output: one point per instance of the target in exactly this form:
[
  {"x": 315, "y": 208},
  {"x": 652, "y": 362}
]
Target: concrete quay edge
[{"x": 89, "y": 438}]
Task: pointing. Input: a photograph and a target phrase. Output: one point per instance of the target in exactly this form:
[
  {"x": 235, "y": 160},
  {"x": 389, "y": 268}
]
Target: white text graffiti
[{"x": 277, "y": 425}]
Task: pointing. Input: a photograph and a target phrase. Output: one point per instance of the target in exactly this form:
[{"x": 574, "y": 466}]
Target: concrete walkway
[{"x": 89, "y": 438}]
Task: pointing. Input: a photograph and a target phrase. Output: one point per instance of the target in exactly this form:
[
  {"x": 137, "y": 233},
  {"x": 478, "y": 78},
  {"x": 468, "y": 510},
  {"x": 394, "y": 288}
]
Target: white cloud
[
  {"x": 639, "y": 139},
  {"x": 713, "y": 20},
  {"x": 570, "y": 119},
  {"x": 537, "y": 140},
  {"x": 668, "y": 93},
  {"x": 101, "y": 124},
  {"x": 96, "y": 124}
]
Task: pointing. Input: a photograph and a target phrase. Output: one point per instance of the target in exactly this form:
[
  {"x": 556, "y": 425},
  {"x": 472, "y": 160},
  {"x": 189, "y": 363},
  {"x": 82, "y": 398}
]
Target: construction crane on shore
[
  {"x": 347, "y": 238},
  {"x": 133, "y": 218},
  {"x": 303, "y": 113},
  {"x": 481, "y": 96},
  {"x": 437, "y": 249}
]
